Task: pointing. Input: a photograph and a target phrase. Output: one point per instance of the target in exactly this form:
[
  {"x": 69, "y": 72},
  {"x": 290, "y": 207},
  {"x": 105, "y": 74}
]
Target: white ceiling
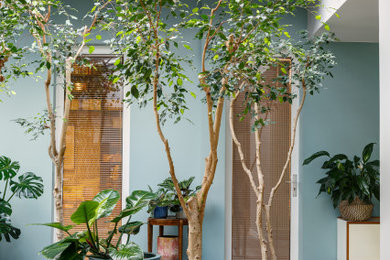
[{"x": 358, "y": 22}]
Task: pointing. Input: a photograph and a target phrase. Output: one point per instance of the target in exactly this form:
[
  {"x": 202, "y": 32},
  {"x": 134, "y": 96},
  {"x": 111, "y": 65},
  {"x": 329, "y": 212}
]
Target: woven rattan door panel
[{"x": 275, "y": 143}]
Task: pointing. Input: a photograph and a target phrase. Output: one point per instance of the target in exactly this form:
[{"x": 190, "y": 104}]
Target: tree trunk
[
  {"x": 57, "y": 194},
  {"x": 194, "y": 250},
  {"x": 260, "y": 233}
]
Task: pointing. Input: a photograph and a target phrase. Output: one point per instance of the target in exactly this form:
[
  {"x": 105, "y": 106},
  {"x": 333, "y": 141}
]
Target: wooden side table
[{"x": 161, "y": 222}]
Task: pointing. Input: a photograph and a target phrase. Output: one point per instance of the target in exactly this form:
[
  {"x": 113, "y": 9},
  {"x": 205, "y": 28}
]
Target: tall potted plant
[{"x": 352, "y": 184}]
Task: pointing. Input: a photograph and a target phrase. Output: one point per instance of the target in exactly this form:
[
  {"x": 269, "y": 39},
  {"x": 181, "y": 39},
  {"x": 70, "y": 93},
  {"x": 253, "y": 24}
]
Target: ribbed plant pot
[
  {"x": 355, "y": 211},
  {"x": 151, "y": 256},
  {"x": 160, "y": 212}
]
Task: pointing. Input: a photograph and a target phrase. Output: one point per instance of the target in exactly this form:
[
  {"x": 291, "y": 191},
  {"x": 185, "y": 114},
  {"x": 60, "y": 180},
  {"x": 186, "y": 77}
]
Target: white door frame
[
  {"x": 295, "y": 159},
  {"x": 59, "y": 107}
]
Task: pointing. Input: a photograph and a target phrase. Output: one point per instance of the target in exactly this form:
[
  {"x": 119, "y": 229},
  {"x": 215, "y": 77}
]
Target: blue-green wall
[{"x": 342, "y": 119}]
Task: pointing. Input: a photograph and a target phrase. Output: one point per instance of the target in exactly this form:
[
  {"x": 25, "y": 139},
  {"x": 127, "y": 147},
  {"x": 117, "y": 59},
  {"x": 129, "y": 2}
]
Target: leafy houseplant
[
  {"x": 94, "y": 244},
  {"x": 27, "y": 185},
  {"x": 160, "y": 202},
  {"x": 186, "y": 191},
  {"x": 352, "y": 184}
]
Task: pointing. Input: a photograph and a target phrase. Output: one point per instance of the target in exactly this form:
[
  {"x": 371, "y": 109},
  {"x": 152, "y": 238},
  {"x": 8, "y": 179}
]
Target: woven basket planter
[{"x": 357, "y": 210}]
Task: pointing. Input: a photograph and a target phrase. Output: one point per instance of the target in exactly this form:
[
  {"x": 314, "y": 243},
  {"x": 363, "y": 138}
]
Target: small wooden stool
[{"x": 161, "y": 222}]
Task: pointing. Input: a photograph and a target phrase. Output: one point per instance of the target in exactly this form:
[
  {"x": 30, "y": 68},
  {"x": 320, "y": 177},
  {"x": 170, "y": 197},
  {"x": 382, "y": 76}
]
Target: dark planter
[
  {"x": 160, "y": 212},
  {"x": 151, "y": 256}
]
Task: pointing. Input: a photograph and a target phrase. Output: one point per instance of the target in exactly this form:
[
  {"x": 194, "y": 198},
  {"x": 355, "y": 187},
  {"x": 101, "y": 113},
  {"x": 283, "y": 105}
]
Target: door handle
[{"x": 294, "y": 185}]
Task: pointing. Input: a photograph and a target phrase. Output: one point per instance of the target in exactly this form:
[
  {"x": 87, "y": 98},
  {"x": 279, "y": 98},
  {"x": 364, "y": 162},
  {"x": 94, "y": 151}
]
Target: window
[
  {"x": 94, "y": 139},
  {"x": 275, "y": 145}
]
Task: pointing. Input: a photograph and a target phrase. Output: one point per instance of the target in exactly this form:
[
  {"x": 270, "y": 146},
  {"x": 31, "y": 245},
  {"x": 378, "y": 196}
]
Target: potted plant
[
  {"x": 95, "y": 245},
  {"x": 27, "y": 186},
  {"x": 186, "y": 191},
  {"x": 158, "y": 205},
  {"x": 352, "y": 184}
]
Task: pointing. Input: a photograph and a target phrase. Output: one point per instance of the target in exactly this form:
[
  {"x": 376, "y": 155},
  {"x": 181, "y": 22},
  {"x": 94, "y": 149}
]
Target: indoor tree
[
  {"x": 59, "y": 46},
  {"x": 239, "y": 40}
]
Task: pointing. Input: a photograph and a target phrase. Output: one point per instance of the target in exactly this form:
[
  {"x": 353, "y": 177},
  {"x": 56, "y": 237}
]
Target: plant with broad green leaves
[
  {"x": 93, "y": 243},
  {"x": 27, "y": 186},
  {"x": 349, "y": 179},
  {"x": 185, "y": 189}
]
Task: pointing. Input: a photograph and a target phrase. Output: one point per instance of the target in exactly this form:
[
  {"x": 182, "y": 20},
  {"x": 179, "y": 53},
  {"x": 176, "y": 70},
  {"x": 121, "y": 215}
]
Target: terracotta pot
[
  {"x": 168, "y": 247},
  {"x": 357, "y": 210}
]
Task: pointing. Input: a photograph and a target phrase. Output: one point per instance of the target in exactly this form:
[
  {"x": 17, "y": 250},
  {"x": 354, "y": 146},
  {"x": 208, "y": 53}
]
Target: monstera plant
[
  {"x": 24, "y": 186},
  {"x": 93, "y": 243}
]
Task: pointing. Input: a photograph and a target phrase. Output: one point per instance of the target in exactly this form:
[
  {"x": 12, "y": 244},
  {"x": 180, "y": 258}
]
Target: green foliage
[
  {"x": 77, "y": 245},
  {"x": 130, "y": 251},
  {"x": 243, "y": 38},
  {"x": 35, "y": 126},
  {"x": 347, "y": 179},
  {"x": 26, "y": 186},
  {"x": 168, "y": 188},
  {"x": 107, "y": 201}
]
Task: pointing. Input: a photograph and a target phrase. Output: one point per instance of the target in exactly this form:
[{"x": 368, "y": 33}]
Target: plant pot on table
[
  {"x": 357, "y": 210},
  {"x": 160, "y": 212}
]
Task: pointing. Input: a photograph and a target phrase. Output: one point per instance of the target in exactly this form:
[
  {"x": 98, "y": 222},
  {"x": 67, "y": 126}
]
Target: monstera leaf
[
  {"x": 5, "y": 208},
  {"x": 8, "y": 168},
  {"x": 131, "y": 251},
  {"x": 28, "y": 186},
  {"x": 107, "y": 200},
  {"x": 7, "y": 230}
]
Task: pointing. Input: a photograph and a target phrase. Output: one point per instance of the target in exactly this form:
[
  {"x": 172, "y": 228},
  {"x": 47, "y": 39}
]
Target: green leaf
[
  {"x": 55, "y": 249},
  {"x": 5, "y": 208},
  {"x": 98, "y": 37},
  {"x": 188, "y": 47},
  {"x": 134, "y": 91},
  {"x": 137, "y": 200},
  {"x": 367, "y": 151},
  {"x": 8, "y": 168},
  {"x": 195, "y": 10},
  {"x": 326, "y": 26},
  {"x": 318, "y": 17},
  {"x": 91, "y": 49},
  {"x": 314, "y": 156},
  {"x": 107, "y": 201},
  {"x": 85, "y": 212},
  {"x": 180, "y": 81},
  {"x": 7, "y": 230},
  {"x": 57, "y": 225},
  {"x": 131, "y": 251},
  {"x": 29, "y": 186},
  {"x": 131, "y": 228}
]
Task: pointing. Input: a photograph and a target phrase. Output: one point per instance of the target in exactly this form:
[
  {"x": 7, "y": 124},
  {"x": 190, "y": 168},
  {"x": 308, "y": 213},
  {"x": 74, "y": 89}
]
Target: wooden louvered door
[
  {"x": 275, "y": 145},
  {"x": 93, "y": 157}
]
